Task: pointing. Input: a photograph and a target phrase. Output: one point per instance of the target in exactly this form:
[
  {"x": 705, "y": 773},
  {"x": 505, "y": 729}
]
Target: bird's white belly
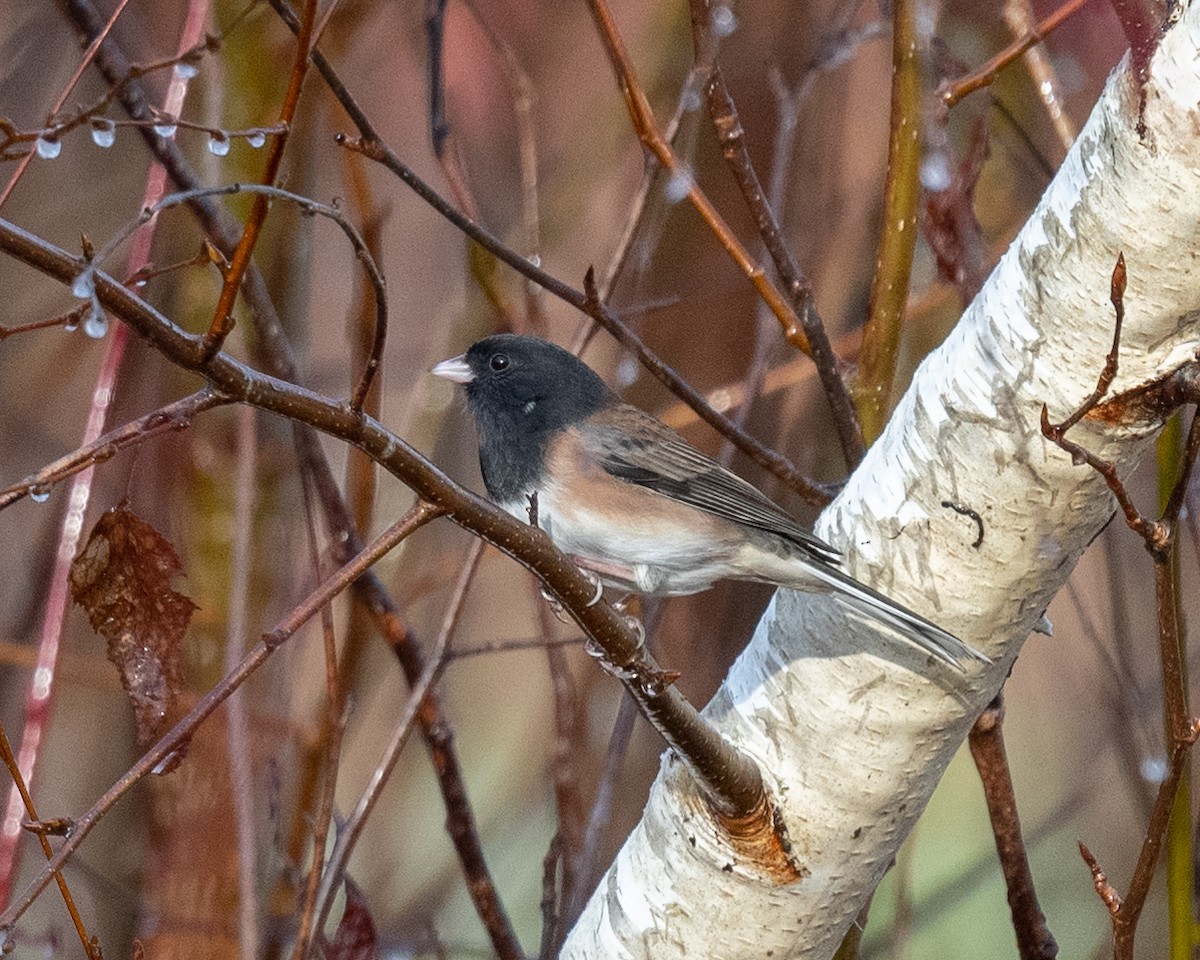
[{"x": 684, "y": 559}]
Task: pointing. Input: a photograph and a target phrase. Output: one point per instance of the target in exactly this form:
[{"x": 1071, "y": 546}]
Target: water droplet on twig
[
  {"x": 48, "y": 147},
  {"x": 165, "y": 130},
  {"x": 84, "y": 287},
  {"x": 723, "y": 21},
  {"x": 256, "y": 139},
  {"x": 104, "y": 132},
  {"x": 95, "y": 324},
  {"x": 218, "y": 144},
  {"x": 39, "y": 493},
  {"x": 186, "y": 70}
]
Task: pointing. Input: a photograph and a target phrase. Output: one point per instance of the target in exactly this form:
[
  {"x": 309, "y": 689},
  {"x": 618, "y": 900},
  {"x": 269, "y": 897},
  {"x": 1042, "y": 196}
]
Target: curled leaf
[{"x": 122, "y": 579}]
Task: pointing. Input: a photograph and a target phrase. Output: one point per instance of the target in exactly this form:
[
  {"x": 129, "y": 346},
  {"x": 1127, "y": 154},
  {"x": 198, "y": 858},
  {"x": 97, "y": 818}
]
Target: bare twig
[
  {"x": 222, "y": 321},
  {"x": 893, "y": 268},
  {"x": 1018, "y": 14},
  {"x": 732, "y": 139},
  {"x": 645, "y": 126},
  {"x": 1034, "y": 940},
  {"x": 91, "y": 949},
  {"x": 1160, "y": 540},
  {"x": 172, "y": 417},
  {"x": 181, "y": 732},
  {"x": 984, "y": 75},
  {"x": 333, "y": 728},
  {"x": 357, "y": 819},
  {"x": 237, "y": 727}
]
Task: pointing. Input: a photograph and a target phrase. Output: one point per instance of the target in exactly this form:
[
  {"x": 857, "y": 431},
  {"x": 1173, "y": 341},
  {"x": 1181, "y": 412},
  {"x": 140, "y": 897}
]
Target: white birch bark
[{"x": 853, "y": 730}]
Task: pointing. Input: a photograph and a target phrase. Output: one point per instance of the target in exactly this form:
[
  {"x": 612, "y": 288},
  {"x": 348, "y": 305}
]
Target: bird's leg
[{"x": 556, "y": 607}]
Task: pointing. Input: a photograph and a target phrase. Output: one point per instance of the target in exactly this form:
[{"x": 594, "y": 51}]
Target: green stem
[
  {"x": 1180, "y": 923},
  {"x": 889, "y": 290}
]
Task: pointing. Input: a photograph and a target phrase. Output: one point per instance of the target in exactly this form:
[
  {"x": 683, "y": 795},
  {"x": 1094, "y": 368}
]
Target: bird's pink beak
[{"x": 455, "y": 369}]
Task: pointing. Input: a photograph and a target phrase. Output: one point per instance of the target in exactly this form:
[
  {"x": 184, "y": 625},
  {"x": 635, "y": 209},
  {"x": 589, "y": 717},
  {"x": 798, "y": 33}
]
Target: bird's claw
[
  {"x": 556, "y": 607},
  {"x": 597, "y": 583},
  {"x": 634, "y": 624}
]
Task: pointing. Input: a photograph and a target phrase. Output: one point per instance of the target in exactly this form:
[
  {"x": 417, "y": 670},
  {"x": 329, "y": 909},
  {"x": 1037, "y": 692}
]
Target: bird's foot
[{"x": 556, "y": 607}]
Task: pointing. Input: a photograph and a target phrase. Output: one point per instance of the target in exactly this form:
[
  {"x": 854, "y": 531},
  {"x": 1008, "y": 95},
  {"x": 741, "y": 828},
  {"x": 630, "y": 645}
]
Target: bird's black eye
[{"x": 499, "y": 362}]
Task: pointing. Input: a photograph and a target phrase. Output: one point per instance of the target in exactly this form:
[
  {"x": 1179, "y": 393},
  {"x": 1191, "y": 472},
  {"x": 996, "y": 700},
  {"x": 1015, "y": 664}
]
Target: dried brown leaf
[
  {"x": 355, "y": 938},
  {"x": 122, "y": 579}
]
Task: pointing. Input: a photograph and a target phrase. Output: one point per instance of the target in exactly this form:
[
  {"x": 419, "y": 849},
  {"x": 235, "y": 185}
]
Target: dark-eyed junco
[{"x": 633, "y": 502}]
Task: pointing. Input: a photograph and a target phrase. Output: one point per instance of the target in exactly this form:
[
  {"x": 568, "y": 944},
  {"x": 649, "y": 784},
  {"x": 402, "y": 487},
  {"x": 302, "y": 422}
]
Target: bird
[{"x": 632, "y": 502}]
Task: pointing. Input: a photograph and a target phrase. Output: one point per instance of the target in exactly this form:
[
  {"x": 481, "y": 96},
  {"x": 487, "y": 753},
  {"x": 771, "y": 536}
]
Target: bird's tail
[{"x": 914, "y": 628}]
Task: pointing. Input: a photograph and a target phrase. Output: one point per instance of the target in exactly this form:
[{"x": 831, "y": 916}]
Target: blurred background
[{"x": 524, "y": 83}]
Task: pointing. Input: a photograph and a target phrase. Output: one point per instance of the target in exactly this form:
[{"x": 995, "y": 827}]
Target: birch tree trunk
[{"x": 853, "y": 729}]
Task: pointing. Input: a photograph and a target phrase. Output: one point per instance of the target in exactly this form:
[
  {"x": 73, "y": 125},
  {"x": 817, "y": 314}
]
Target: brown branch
[
  {"x": 178, "y": 736},
  {"x": 733, "y": 147},
  {"x": 731, "y": 781},
  {"x": 91, "y": 947},
  {"x": 1034, "y": 940},
  {"x": 172, "y": 417},
  {"x": 332, "y": 733},
  {"x": 646, "y": 128},
  {"x": 352, "y": 829},
  {"x": 953, "y": 91},
  {"x": 273, "y": 351},
  {"x": 1160, "y": 540},
  {"x": 222, "y": 321},
  {"x": 566, "y": 847}
]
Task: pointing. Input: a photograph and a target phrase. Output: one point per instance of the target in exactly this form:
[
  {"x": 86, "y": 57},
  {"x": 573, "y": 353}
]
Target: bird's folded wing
[{"x": 634, "y": 447}]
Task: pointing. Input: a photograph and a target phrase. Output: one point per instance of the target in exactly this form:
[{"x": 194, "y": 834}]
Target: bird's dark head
[
  {"x": 525, "y": 385},
  {"x": 521, "y": 391}
]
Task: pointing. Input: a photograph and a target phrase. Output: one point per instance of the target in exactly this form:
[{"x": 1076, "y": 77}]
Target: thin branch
[
  {"x": 953, "y": 91},
  {"x": 893, "y": 268},
  {"x": 1034, "y": 940},
  {"x": 733, "y": 145},
  {"x": 646, "y": 128},
  {"x": 174, "y": 416},
  {"x": 332, "y": 734},
  {"x": 91, "y": 949},
  {"x": 222, "y": 321},
  {"x": 237, "y": 726},
  {"x": 179, "y": 735},
  {"x": 436, "y": 662}
]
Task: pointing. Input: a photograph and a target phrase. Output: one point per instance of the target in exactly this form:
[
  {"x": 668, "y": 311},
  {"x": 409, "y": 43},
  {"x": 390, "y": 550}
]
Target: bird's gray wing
[{"x": 633, "y": 446}]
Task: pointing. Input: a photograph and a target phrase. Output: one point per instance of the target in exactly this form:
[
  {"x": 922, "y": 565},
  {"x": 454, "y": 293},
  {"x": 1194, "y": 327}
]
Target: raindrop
[
  {"x": 71, "y": 321},
  {"x": 165, "y": 130},
  {"x": 39, "y": 493},
  {"x": 104, "y": 133},
  {"x": 679, "y": 185},
  {"x": 84, "y": 287},
  {"x": 186, "y": 70},
  {"x": 95, "y": 324},
  {"x": 256, "y": 139},
  {"x": 935, "y": 173},
  {"x": 723, "y": 21},
  {"x": 48, "y": 147},
  {"x": 218, "y": 144}
]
